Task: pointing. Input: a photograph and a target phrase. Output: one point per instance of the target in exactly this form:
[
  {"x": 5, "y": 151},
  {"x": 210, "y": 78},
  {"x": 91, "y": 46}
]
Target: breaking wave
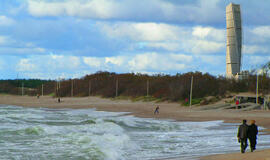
[{"x": 44, "y": 134}]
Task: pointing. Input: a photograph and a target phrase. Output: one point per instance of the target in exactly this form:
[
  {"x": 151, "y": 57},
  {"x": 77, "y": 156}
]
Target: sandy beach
[{"x": 145, "y": 110}]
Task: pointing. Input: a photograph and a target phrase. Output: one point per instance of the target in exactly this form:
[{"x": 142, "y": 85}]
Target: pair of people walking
[{"x": 246, "y": 132}]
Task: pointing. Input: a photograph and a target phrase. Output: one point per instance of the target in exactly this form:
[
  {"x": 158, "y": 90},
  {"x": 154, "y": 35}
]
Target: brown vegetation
[
  {"x": 162, "y": 87},
  {"x": 165, "y": 87}
]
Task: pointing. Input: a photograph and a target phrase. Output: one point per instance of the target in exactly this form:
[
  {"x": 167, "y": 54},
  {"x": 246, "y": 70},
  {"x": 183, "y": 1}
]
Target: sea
[{"x": 87, "y": 134}]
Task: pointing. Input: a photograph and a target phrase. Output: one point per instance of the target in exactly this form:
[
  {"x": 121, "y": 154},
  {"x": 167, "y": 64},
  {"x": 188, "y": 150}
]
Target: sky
[{"x": 51, "y": 39}]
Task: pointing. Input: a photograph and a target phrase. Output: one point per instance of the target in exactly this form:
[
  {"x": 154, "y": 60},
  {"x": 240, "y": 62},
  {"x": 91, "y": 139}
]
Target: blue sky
[{"x": 70, "y": 38}]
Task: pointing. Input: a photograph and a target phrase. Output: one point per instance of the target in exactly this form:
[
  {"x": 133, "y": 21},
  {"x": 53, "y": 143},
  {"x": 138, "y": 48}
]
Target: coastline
[{"x": 146, "y": 109}]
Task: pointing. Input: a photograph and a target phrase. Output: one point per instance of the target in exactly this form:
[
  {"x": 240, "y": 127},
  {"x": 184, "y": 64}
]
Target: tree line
[
  {"x": 166, "y": 87},
  {"x": 30, "y": 86},
  {"x": 159, "y": 86}
]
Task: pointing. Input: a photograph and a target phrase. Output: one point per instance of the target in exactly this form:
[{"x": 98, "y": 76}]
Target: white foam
[{"x": 62, "y": 134}]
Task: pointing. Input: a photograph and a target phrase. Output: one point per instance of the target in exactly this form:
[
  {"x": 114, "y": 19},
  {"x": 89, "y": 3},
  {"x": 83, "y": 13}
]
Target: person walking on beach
[
  {"x": 157, "y": 110},
  {"x": 252, "y": 135},
  {"x": 242, "y": 135}
]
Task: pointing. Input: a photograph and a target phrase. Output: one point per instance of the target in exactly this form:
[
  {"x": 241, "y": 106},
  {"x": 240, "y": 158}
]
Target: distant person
[
  {"x": 252, "y": 135},
  {"x": 37, "y": 96},
  {"x": 237, "y": 102},
  {"x": 59, "y": 100},
  {"x": 156, "y": 110},
  {"x": 242, "y": 135}
]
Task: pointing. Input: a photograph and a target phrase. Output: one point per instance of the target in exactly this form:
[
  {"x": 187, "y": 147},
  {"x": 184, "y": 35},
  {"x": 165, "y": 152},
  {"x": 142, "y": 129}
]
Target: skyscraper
[{"x": 234, "y": 40}]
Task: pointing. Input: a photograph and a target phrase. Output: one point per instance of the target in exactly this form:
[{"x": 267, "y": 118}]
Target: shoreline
[{"x": 145, "y": 110}]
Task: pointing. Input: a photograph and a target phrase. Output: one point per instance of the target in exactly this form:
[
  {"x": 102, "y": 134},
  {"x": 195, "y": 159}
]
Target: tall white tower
[{"x": 234, "y": 40}]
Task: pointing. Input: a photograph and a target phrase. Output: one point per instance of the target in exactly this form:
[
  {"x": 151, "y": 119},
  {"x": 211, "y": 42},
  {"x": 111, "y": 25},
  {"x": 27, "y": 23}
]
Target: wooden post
[
  {"x": 71, "y": 88},
  {"x": 257, "y": 89},
  {"x": 74, "y": 82},
  {"x": 59, "y": 85},
  {"x": 264, "y": 103},
  {"x": 56, "y": 88},
  {"x": 42, "y": 89},
  {"x": 268, "y": 101},
  {"x": 191, "y": 87},
  {"x": 18, "y": 84},
  {"x": 116, "y": 88},
  {"x": 22, "y": 89}
]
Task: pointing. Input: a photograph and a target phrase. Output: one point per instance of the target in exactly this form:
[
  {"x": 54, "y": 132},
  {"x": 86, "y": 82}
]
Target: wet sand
[
  {"x": 258, "y": 155},
  {"x": 146, "y": 109}
]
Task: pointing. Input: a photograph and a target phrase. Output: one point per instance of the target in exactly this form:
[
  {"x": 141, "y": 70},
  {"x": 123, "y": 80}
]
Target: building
[
  {"x": 242, "y": 75},
  {"x": 234, "y": 41}
]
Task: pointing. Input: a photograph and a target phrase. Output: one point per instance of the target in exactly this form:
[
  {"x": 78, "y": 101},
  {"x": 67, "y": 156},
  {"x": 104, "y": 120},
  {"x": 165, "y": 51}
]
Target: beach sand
[
  {"x": 258, "y": 155},
  {"x": 146, "y": 109}
]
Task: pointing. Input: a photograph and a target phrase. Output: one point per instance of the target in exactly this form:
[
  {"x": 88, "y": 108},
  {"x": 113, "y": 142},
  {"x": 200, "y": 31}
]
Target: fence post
[
  {"x": 191, "y": 87},
  {"x": 71, "y": 88},
  {"x": 257, "y": 89},
  {"x": 42, "y": 89}
]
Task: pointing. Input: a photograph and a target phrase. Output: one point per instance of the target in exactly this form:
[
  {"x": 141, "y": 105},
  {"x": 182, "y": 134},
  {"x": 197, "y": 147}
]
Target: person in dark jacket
[
  {"x": 156, "y": 110},
  {"x": 242, "y": 135},
  {"x": 252, "y": 135}
]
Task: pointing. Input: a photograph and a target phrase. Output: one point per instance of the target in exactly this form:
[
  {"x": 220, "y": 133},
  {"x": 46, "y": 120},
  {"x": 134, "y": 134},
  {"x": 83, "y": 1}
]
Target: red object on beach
[{"x": 237, "y": 102}]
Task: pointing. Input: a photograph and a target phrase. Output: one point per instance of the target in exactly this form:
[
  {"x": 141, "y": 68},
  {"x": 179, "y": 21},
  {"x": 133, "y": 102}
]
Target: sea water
[{"x": 63, "y": 134}]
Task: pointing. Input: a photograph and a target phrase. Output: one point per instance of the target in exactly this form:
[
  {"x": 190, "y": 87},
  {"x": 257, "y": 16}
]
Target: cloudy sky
[{"x": 71, "y": 38}]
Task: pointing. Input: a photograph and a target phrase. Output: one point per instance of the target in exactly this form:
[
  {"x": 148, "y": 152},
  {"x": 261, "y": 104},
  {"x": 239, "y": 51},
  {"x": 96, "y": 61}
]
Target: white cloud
[
  {"x": 93, "y": 61},
  {"x": 55, "y": 75},
  {"x": 48, "y": 63},
  {"x": 25, "y": 65},
  {"x": 49, "y": 66},
  {"x": 181, "y": 57},
  {"x": 198, "y": 40},
  {"x": 119, "y": 60},
  {"x": 209, "y": 33},
  {"x": 206, "y": 47},
  {"x": 102, "y": 9},
  {"x": 156, "y": 32},
  {"x": 60, "y": 65},
  {"x": 157, "y": 10},
  {"x": 55, "y": 62},
  {"x": 106, "y": 63},
  {"x": 140, "y": 62},
  {"x": 55, "y": 56},
  {"x": 207, "y": 40},
  {"x": 170, "y": 46},
  {"x": 262, "y": 31},
  {"x": 75, "y": 61},
  {"x": 5, "y": 21},
  {"x": 252, "y": 49},
  {"x": 212, "y": 60},
  {"x": 141, "y": 31},
  {"x": 159, "y": 62}
]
